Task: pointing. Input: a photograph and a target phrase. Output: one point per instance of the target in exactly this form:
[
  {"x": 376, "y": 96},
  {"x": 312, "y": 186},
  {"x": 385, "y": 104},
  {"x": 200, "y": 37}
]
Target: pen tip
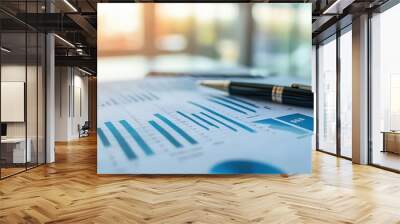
[{"x": 216, "y": 84}]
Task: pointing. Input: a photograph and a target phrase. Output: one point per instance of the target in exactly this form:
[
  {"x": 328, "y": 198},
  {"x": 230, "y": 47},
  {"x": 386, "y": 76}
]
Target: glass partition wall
[
  {"x": 327, "y": 96},
  {"x": 346, "y": 92},
  {"x": 22, "y": 98},
  {"x": 385, "y": 90},
  {"x": 334, "y": 94}
]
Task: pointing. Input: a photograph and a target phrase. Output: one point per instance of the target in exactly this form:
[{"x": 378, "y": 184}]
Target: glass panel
[
  {"x": 13, "y": 89},
  {"x": 327, "y": 97},
  {"x": 346, "y": 94},
  {"x": 31, "y": 98},
  {"x": 32, "y": 89},
  {"x": 386, "y": 89},
  {"x": 41, "y": 98},
  {"x": 23, "y": 90}
]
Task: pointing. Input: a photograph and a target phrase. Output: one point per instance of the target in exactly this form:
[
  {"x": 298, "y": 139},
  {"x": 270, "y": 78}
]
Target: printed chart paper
[{"x": 174, "y": 126}]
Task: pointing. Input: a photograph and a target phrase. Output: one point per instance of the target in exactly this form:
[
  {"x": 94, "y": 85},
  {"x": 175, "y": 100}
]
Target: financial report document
[{"x": 173, "y": 126}]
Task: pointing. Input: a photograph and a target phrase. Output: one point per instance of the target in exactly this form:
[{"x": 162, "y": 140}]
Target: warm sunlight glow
[{"x": 120, "y": 27}]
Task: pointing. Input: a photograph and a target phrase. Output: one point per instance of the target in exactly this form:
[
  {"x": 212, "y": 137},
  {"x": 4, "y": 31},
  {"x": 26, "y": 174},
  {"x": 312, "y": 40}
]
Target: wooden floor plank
[{"x": 70, "y": 191}]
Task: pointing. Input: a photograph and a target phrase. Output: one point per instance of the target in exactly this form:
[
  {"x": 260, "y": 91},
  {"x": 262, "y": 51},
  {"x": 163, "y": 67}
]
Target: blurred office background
[{"x": 269, "y": 38}]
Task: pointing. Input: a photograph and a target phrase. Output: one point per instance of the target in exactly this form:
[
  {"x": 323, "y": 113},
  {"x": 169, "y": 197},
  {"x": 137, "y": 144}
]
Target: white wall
[
  {"x": 62, "y": 82},
  {"x": 12, "y": 73},
  {"x": 33, "y": 126},
  {"x": 71, "y": 94}
]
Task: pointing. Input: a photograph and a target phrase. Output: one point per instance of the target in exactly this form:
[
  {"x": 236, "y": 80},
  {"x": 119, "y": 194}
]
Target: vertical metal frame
[
  {"x": 316, "y": 108},
  {"x": 369, "y": 125},
  {"x": 26, "y": 87},
  {"x": 44, "y": 79},
  {"x": 338, "y": 93},
  {"x": 0, "y": 93},
  {"x": 37, "y": 90}
]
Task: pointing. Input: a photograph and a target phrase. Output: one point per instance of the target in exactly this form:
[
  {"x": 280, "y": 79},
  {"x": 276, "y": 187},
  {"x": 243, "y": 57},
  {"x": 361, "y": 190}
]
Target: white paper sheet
[{"x": 173, "y": 126}]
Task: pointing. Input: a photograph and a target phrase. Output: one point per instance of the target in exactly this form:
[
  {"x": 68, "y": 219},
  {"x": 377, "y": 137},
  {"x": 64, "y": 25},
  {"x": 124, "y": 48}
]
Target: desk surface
[
  {"x": 13, "y": 140},
  {"x": 391, "y": 132},
  {"x": 131, "y": 67}
]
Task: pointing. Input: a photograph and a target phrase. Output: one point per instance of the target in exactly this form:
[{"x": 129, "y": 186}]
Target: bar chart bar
[
  {"x": 224, "y": 117},
  {"x": 121, "y": 141},
  {"x": 132, "y": 98},
  {"x": 114, "y": 101},
  {"x": 204, "y": 120},
  {"x": 227, "y": 106},
  {"x": 242, "y": 101},
  {"x": 103, "y": 138},
  {"x": 167, "y": 135},
  {"x": 126, "y": 99},
  {"x": 154, "y": 96},
  {"x": 234, "y": 103},
  {"x": 135, "y": 135},
  {"x": 146, "y": 97},
  {"x": 276, "y": 124},
  {"x": 176, "y": 128},
  {"x": 140, "y": 98},
  {"x": 192, "y": 120},
  {"x": 299, "y": 120},
  {"x": 218, "y": 121}
]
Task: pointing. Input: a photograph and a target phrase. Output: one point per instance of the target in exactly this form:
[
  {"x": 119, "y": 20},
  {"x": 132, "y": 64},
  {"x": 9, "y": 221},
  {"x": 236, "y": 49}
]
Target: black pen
[{"x": 294, "y": 95}]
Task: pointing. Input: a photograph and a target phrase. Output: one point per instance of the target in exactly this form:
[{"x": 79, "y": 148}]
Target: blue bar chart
[
  {"x": 227, "y": 100},
  {"x": 130, "y": 98},
  {"x": 103, "y": 138},
  {"x": 205, "y": 121},
  {"x": 176, "y": 128},
  {"x": 218, "y": 121},
  {"x": 223, "y": 117},
  {"x": 135, "y": 135},
  {"x": 279, "y": 125},
  {"x": 121, "y": 141},
  {"x": 169, "y": 128},
  {"x": 192, "y": 120},
  {"x": 228, "y": 106},
  {"x": 166, "y": 134},
  {"x": 300, "y": 120}
]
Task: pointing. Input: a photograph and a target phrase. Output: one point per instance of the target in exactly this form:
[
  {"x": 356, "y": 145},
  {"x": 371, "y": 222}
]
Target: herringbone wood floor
[{"x": 70, "y": 191}]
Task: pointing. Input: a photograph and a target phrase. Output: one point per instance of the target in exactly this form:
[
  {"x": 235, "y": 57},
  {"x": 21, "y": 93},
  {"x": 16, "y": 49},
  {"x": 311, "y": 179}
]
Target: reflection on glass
[
  {"x": 327, "y": 97},
  {"x": 31, "y": 98},
  {"x": 386, "y": 89},
  {"x": 41, "y": 79},
  {"x": 14, "y": 146},
  {"x": 22, "y": 94},
  {"x": 346, "y": 94}
]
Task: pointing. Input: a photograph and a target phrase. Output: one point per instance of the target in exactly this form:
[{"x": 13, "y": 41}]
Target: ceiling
[{"x": 76, "y": 21}]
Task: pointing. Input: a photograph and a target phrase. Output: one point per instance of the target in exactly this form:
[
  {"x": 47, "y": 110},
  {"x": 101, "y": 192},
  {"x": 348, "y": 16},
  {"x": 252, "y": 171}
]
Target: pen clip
[{"x": 301, "y": 86}]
